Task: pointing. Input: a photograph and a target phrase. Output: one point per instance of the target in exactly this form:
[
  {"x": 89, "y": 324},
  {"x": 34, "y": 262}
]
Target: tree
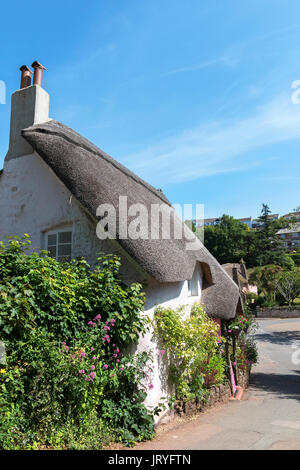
[
  {"x": 288, "y": 285},
  {"x": 231, "y": 240},
  {"x": 227, "y": 240},
  {"x": 266, "y": 279},
  {"x": 268, "y": 246}
]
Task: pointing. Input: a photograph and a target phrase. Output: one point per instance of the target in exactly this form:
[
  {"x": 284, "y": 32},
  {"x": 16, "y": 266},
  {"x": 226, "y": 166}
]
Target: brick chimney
[{"x": 29, "y": 106}]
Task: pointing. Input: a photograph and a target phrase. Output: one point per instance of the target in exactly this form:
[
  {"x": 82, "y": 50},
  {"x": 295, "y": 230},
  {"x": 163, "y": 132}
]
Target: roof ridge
[{"x": 99, "y": 153}]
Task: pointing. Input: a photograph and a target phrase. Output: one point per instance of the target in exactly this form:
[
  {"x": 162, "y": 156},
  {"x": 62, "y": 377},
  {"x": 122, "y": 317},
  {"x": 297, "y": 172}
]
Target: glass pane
[
  {"x": 64, "y": 237},
  {"x": 52, "y": 239},
  {"x": 64, "y": 250},
  {"x": 52, "y": 251}
]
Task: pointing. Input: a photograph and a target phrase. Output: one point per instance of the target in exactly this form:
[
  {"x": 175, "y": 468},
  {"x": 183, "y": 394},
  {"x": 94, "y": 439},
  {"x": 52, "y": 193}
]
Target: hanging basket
[{"x": 235, "y": 331}]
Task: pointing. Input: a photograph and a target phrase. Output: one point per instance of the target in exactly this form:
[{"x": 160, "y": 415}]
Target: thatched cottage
[{"x": 51, "y": 186}]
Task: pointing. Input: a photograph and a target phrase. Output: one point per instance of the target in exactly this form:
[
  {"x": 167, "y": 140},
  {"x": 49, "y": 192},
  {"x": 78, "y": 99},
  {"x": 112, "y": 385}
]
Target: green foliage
[
  {"x": 276, "y": 285},
  {"x": 193, "y": 350},
  {"x": 247, "y": 353},
  {"x": 66, "y": 330},
  {"x": 288, "y": 285},
  {"x": 36, "y": 290},
  {"x": 231, "y": 240},
  {"x": 227, "y": 240},
  {"x": 295, "y": 256},
  {"x": 242, "y": 323}
]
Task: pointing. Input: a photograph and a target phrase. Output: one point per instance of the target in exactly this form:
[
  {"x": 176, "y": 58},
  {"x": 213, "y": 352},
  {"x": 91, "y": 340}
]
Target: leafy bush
[
  {"x": 295, "y": 255},
  {"x": 194, "y": 350},
  {"x": 247, "y": 353},
  {"x": 66, "y": 330}
]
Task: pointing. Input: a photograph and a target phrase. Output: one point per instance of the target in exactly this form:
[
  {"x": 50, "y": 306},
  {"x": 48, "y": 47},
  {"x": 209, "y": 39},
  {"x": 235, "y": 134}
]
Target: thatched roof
[{"x": 95, "y": 178}]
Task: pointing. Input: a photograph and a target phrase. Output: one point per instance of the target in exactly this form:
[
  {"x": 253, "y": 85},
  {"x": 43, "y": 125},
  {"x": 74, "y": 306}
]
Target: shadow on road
[
  {"x": 282, "y": 385},
  {"x": 279, "y": 337}
]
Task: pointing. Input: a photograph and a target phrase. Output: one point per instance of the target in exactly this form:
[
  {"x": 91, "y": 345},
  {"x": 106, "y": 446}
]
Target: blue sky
[{"x": 194, "y": 96}]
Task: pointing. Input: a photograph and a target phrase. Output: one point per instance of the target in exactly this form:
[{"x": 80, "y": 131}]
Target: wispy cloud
[
  {"x": 218, "y": 147},
  {"x": 199, "y": 66}
]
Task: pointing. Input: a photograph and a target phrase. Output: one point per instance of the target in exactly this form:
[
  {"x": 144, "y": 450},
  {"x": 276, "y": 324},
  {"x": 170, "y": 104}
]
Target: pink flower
[
  {"x": 82, "y": 371},
  {"x": 92, "y": 375},
  {"x": 94, "y": 358},
  {"x": 162, "y": 352},
  {"x": 118, "y": 360},
  {"x": 92, "y": 349},
  {"x": 229, "y": 331},
  {"x": 121, "y": 369},
  {"x": 93, "y": 367},
  {"x": 97, "y": 317},
  {"x": 151, "y": 386},
  {"x": 73, "y": 356},
  {"x": 105, "y": 366},
  {"x": 83, "y": 354}
]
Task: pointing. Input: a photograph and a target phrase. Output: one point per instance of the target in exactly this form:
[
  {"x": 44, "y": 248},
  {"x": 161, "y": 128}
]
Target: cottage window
[
  {"x": 59, "y": 244},
  {"x": 193, "y": 284}
]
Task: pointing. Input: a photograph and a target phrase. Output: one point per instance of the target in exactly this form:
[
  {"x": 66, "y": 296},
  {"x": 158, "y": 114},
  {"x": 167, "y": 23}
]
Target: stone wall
[
  {"x": 218, "y": 395},
  {"x": 278, "y": 312}
]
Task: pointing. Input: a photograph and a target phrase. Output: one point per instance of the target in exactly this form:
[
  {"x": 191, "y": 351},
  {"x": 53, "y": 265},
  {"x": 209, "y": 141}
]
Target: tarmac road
[{"x": 268, "y": 416}]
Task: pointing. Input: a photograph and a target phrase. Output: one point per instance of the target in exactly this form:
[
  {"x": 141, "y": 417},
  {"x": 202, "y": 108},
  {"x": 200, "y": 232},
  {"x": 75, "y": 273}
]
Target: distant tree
[
  {"x": 231, "y": 240},
  {"x": 297, "y": 209},
  {"x": 268, "y": 246},
  {"x": 266, "y": 279},
  {"x": 227, "y": 240},
  {"x": 288, "y": 285}
]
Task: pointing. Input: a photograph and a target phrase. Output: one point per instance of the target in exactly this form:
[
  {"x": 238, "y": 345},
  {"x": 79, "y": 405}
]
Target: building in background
[
  {"x": 290, "y": 236},
  {"x": 217, "y": 220},
  {"x": 271, "y": 217},
  {"x": 292, "y": 215}
]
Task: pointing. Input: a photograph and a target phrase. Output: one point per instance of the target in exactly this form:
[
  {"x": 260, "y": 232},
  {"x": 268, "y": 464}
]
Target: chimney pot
[
  {"x": 38, "y": 73},
  {"x": 25, "y": 76}
]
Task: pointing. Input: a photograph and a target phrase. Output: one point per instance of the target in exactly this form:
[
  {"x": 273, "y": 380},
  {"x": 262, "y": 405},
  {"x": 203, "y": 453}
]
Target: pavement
[{"x": 268, "y": 416}]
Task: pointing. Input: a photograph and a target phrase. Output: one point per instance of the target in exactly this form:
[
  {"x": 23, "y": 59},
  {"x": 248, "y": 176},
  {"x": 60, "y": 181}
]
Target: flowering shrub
[
  {"x": 66, "y": 331},
  {"x": 247, "y": 353},
  {"x": 242, "y": 323},
  {"x": 194, "y": 350}
]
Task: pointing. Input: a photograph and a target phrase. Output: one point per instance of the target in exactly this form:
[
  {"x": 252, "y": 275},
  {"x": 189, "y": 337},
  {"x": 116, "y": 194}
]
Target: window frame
[
  {"x": 194, "y": 283},
  {"x": 56, "y": 232}
]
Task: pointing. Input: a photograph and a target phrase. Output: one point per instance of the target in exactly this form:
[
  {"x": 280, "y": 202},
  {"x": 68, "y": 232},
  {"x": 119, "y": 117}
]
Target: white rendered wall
[
  {"x": 166, "y": 295},
  {"x": 33, "y": 201}
]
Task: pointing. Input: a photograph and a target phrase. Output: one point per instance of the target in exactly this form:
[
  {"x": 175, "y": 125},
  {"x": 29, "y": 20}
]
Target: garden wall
[
  {"x": 278, "y": 312},
  {"x": 218, "y": 395}
]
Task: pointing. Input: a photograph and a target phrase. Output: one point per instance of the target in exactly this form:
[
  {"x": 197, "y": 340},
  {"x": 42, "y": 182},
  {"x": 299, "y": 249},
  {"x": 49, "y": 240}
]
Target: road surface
[{"x": 268, "y": 416}]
